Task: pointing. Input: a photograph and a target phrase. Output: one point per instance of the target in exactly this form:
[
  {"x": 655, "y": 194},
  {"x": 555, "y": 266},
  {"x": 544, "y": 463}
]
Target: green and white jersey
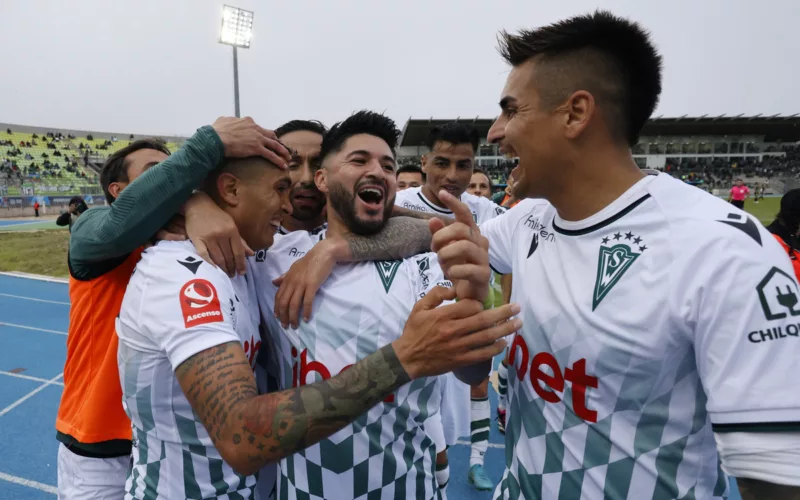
[
  {"x": 176, "y": 306},
  {"x": 388, "y": 452},
  {"x": 455, "y": 417},
  {"x": 666, "y": 317}
]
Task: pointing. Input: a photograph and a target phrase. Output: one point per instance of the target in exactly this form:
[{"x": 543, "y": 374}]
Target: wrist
[
  {"x": 338, "y": 249},
  {"x": 403, "y": 355}
]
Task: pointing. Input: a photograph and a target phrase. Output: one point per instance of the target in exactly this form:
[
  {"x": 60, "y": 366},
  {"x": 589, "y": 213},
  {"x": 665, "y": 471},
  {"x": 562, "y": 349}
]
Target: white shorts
[
  {"x": 455, "y": 410},
  {"x": 85, "y": 478}
]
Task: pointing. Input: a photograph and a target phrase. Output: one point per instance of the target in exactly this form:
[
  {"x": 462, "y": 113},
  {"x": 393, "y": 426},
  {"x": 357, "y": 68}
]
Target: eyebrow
[
  {"x": 367, "y": 153},
  {"x": 150, "y": 164},
  {"x": 506, "y": 101}
]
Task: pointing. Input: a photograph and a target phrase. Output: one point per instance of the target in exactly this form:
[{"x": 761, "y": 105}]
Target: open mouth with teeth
[{"x": 372, "y": 196}]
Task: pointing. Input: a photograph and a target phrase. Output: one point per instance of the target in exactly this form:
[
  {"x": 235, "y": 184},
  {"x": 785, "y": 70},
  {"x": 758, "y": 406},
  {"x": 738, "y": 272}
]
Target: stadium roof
[{"x": 772, "y": 128}]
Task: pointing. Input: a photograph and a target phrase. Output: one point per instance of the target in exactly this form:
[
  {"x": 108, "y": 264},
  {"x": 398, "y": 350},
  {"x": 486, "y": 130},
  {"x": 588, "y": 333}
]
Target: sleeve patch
[{"x": 200, "y": 303}]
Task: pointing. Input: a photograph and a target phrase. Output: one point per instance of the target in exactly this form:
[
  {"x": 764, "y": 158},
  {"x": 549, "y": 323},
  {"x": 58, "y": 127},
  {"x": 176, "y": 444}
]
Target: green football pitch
[{"x": 765, "y": 210}]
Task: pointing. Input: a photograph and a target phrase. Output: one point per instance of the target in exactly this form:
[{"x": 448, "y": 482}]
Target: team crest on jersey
[
  {"x": 614, "y": 261},
  {"x": 387, "y": 270}
]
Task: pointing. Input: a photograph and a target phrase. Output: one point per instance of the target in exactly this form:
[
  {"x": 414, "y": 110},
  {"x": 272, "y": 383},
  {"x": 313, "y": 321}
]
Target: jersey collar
[
  {"x": 630, "y": 199},
  {"x": 431, "y": 205}
]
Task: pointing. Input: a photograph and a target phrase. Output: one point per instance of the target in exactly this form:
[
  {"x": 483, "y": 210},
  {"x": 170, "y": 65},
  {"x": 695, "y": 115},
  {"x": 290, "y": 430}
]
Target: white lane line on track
[
  {"x": 29, "y": 483},
  {"x": 30, "y": 394},
  {"x": 28, "y": 377},
  {"x": 33, "y": 299},
  {"x": 31, "y": 328}
]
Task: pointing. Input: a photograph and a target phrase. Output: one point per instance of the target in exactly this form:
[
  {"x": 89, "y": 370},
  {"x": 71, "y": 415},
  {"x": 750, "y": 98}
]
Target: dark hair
[
  {"x": 478, "y": 170},
  {"x": 296, "y": 125},
  {"x": 787, "y": 222},
  {"x": 362, "y": 122},
  {"x": 413, "y": 169},
  {"x": 115, "y": 169},
  {"x": 454, "y": 133},
  {"x": 611, "y": 57}
]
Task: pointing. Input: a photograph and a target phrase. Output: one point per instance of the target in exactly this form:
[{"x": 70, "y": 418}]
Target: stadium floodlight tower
[{"x": 237, "y": 30}]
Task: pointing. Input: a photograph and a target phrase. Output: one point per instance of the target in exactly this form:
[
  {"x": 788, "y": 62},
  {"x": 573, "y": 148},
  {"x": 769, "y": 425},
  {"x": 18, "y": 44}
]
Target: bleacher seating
[{"x": 53, "y": 163}]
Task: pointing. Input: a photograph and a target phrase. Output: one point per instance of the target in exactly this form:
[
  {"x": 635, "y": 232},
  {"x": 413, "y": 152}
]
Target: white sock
[
  {"x": 479, "y": 430},
  {"x": 442, "y": 475},
  {"x": 502, "y": 386}
]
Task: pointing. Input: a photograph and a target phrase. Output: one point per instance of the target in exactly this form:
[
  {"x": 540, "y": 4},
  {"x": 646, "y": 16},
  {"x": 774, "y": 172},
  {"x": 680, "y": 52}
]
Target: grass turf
[{"x": 37, "y": 252}]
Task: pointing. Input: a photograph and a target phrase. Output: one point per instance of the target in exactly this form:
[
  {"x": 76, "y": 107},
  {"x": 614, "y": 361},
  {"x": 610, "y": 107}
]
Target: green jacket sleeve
[{"x": 107, "y": 233}]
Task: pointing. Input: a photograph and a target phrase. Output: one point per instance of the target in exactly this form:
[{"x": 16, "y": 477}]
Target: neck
[
  {"x": 428, "y": 193},
  {"x": 588, "y": 187},
  {"x": 336, "y": 227},
  {"x": 291, "y": 224}
]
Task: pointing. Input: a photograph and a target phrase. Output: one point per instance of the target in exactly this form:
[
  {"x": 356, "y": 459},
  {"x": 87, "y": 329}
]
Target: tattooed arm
[
  {"x": 250, "y": 430},
  {"x": 401, "y": 237},
  {"x": 753, "y": 489}
]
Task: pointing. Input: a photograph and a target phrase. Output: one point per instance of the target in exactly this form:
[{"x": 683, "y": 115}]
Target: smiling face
[
  {"x": 448, "y": 167},
  {"x": 255, "y": 194},
  {"x": 529, "y": 131},
  {"x": 360, "y": 184}
]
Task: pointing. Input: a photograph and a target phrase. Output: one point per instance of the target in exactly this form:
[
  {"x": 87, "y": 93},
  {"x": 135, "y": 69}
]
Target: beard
[
  {"x": 344, "y": 203},
  {"x": 306, "y": 213}
]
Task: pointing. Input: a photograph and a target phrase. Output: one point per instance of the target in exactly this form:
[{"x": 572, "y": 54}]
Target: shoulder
[
  {"x": 532, "y": 210},
  {"x": 170, "y": 266},
  {"x": 701, "y": 225},
  {"x": 410, "y": 199}
]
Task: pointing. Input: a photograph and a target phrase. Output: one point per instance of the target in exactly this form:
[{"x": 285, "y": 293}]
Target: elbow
[{"x": 239, "y": 460}]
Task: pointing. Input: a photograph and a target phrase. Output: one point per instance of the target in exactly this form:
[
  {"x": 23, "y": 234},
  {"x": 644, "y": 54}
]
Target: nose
[
  {"x": 307, "y": 175},
  {"x": 497, "y": 132}
]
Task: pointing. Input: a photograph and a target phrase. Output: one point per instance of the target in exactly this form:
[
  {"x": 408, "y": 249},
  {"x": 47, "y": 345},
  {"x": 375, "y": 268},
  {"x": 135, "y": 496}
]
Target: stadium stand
[
  {"x": 49, "y": 166},
  {"x": 710, "y": 152}
]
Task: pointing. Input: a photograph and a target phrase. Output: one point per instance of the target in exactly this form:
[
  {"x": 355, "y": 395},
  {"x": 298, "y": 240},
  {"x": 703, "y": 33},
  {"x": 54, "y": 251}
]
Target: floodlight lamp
[{"x": 237, "y": 27}]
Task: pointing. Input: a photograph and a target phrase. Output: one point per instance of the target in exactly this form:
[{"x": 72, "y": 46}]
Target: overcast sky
[{"x": 154, "y": 66}]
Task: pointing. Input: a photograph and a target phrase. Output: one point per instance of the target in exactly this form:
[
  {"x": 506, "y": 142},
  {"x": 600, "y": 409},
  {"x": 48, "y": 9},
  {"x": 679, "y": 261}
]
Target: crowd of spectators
[{"x": 47, "y": 157}]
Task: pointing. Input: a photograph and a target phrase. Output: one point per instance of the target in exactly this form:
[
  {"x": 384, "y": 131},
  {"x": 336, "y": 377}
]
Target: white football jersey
[
  {"x": 482, "y": 208},
  {"x": 455, "y": 414},
  {"x": 666, "y": 315},
  {"x": 176, "y": 306},
  {"x": 388, "y": 452}
]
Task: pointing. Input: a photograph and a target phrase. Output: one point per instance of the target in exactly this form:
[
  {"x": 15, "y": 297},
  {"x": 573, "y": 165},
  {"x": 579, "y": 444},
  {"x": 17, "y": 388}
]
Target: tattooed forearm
[
  {"x": 400, "y": 238},
  {"x": 753, "y": 489},
  {"x": 250, "y": 431}
]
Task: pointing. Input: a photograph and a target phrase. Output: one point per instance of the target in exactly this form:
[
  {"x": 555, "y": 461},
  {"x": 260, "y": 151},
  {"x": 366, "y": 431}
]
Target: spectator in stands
[
  {"x": 409, "y": 176},
  {"x": 786, "y": 227},
  {"x": 739, "y": 193},
  {"x": 480, "y": 184}
]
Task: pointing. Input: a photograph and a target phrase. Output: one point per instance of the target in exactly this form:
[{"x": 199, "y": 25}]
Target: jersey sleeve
[
  {"x": 740, "y": 304},
  {"x": 500, "y": 233},
  {"x": 427, "y": 274},
  {"x": 183, "y": 317}
]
